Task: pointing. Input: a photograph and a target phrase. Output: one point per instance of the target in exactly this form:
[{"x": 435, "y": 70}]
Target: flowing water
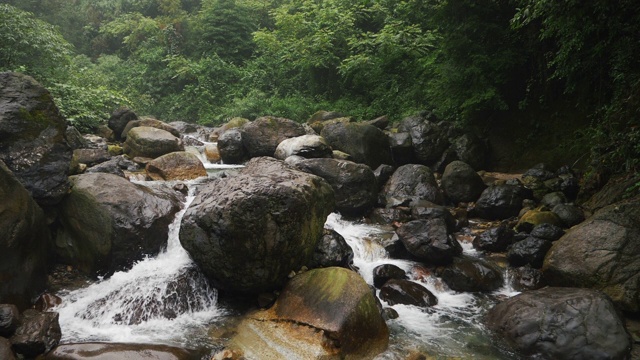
[{"x": 166, "y": 300}]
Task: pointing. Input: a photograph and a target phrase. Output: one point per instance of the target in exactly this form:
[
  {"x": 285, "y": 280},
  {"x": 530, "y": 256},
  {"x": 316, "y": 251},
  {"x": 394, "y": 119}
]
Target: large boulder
[
  {"x": 461, "y": 183},
  {"x": 24, "y": 243},
  {"x": 38, "y": 333},
  {"x": 500, "y": 202},
  {"x": 561, "y": 323},
  {"x": 107, "y": 351},
  {"x": 307, "y": 146},
  {"x": 179, "y": 165},
  {"x": 401, "y": 291},
  {"x": 107, "y": 222},
  {"x": 365, "y": 143},
  {"x": 429, "y": 240},
  {"x": 529, "y": 251},
  {"x": 496, "y": 239},
  {"x": 410, "y": 184},
  {"x": 473, "y": 275},
  {"x": 230, "y": 146},
  {"x": 601, "y": 253},
  {"x": 32, "y": 138},
  {"x": 332, "y": 250},
  {"x": 150, "y": 122},
  {"x": 149, "y": 142},
  {"x": 119, "y": 120},
  {"x": 428, "y": 138},
  {"x": 470, "y": 149},
  {"x": 401, "y": 148},
  {"x": 248, "y": 232},
  {"x": 326, "y": 314},
  {"x": 262, "y": 136},
  {"x": 354, "y": 184}
]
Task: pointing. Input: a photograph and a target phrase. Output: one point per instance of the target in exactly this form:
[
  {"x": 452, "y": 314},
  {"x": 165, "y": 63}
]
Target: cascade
[{"x": 165, "y": 292}]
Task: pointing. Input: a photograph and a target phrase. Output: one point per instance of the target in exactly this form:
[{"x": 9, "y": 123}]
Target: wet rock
[
  {"x": 428, "y": 138},
  {"x": 461, "y": 183},
  {"x": 601, "y": 253},
  {"x": 386, "y": 272},
  {"x": 234, "y": 123},
  {"x": 423, "y": 210},
  {"x": 470, "y": 149},
  {"x": 401, "y": 148},
  {"x": 540, "y": 172},
  {"x": 5, "y": 350},
  {"x": 231, "y": 149},
  {"x": 547, "y": 231},
  {"x": 9, "y": 319},
  {"x": 262, "y": 136},
  {"x": 74, "y": 138},
  {"x": 411, "y": 183},
  {"x": 365, "y": 143},
  {"x": 535, "y": 217},
  {"x": 307, "y": 146},
  {"x": 383, "y": 174},
  {"x": 332, "y": 250},
  {"x": 47, "y": 301},
  {"x": 499, "y": 202},
  {"x": 321, "y": 314},
  {"x": 570, "y": 215},
  {"x": 107, "y": 351},
  {"x": 249, "y": 231},
  {"x": 561, "y": 323},
  {"x": 90, "y": 157},
  {"x": 23, "y": 245},
  {"x": 529, "y": 251},
  {"x": 212, "y": 153},
  {"x": 570, "y": 186},
  {"x": 115, "y": 166},
  {"x": 37, "y": 334},
  {"x": 526, "y": 278},
  {"x": 471, "y": 275},
  {"x": 179, "y": 165},
  {"x": 145, "y": 141},
  {"x": 32, "y": 138},
  {"x": 387, "y": 216},
  {"x": 119, "y": 120},
  {"x": 429, "y": 240},
  {"x": 552, "y": 199},
  {"x": 354, "y": 184},
  {"x": 107, "y": 222},
  {"x": 389, "y": 314},
  {"x": 448, "y": 156},
  {"x": 496, "y": 239},
  {"x": 399, "y": 291},
  {"x": 149, "y": 122}
]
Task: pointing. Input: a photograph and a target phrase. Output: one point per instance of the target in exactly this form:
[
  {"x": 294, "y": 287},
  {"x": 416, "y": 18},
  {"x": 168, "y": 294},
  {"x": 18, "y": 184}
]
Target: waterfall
[
  {"x": 159, "y": 300},
  {"x": 450, "y": 328}
]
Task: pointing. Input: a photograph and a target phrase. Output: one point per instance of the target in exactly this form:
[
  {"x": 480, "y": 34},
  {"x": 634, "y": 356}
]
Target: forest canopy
[{"x": 209, "y": 60}]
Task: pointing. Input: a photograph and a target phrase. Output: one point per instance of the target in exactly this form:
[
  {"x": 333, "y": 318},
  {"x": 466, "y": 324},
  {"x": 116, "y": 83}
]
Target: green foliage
[{"x": 31, "y": 45}]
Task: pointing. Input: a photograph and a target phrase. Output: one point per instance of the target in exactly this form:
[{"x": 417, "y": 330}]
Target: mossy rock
[{"x": 536, "y": 217}]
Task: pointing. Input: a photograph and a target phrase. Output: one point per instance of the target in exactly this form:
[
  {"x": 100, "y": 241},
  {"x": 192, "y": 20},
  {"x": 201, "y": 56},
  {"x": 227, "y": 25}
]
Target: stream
[{"x": 166, "y": 300}]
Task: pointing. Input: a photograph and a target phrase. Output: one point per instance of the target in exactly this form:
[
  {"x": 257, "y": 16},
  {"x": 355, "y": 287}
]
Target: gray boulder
[
  {"x": 472, "y": 275},
  {"x": 429, "y": 240},
  {"x": 601, "y": 253},
  {"x": 23, "y": 245},
  {"x": 262, "y": 136},
  {"x": 470, "y": 149},
  {"x": 307, "y": 146},
  {"x": 38, "y": 333},
  {"x": 149, "y": 142},
  {"x": 332, "y": 250},
  {"x": 461, "y": 183},
  {"x": 400, "y": 291},
  {"x": 249, "y": 231},
  {"x": 150, "y": 122},
  {"x": 561, "y": 323},
  {"x": 354, "y": 185},
  {"x": 32, "y": 138},
  {"x": 412, "y": 183},
  {"x": 107, "y": 222},
  {"x": 365, "y": 143},
  {"x": 119, "y": 120},
  {"x": 230, "y": 147},
  {"x": 499, "y": 202},
  {"x": 428, "y": 138}
]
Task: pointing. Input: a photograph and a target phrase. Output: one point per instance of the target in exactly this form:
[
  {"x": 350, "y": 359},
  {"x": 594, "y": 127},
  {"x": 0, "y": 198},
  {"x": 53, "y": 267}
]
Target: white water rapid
[
  {"x": 160, "y": 300},
  {"x": 452, "y": 328}
]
